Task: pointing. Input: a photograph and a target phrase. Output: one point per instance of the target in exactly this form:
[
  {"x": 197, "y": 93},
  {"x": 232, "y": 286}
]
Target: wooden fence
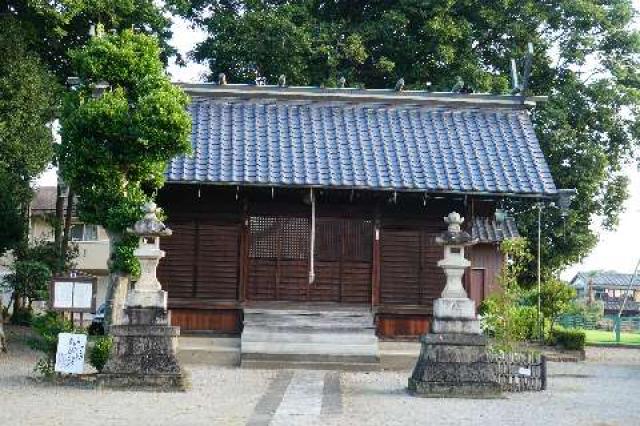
[{"x": 519, "y": 372}]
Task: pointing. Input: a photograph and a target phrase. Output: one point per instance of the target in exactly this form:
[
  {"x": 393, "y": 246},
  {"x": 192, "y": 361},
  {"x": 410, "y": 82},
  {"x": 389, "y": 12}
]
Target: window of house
[{"x": 83, "y": 232}]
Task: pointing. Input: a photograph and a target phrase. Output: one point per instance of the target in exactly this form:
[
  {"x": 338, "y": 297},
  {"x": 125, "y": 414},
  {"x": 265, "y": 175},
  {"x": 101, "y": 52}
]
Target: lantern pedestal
[
  {"x": 453, "y": 359},
  {"x": 144, "y": 353}
]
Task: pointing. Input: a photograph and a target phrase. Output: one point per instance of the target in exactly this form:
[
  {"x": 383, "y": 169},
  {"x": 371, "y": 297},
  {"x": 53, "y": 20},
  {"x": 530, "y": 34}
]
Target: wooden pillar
[
  {"x": 244, "y": 251},
  {"x": 375, "y": 265}
]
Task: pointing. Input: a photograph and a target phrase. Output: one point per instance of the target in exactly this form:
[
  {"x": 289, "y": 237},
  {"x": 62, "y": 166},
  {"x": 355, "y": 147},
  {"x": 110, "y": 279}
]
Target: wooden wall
[{"x": 233, "y": 246}]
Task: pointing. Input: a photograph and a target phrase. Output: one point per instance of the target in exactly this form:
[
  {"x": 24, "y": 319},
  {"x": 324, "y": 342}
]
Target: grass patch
[{"x": 603, "y": 337}]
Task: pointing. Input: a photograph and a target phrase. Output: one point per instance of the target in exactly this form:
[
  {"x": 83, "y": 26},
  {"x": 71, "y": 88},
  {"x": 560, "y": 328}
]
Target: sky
[{"x": 616, "y": 251}]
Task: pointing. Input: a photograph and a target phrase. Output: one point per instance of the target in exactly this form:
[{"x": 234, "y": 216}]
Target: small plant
[
  {"x": 46, "y": 328},
  {"x": 568, "y": 339},
  {"x": 99, "y": 354}
]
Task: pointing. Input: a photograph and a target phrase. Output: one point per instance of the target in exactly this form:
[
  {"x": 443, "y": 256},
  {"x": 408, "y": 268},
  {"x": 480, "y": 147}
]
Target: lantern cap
[
  {"x": 150, "y": 225},
  {"x": 454, "y": 235}
]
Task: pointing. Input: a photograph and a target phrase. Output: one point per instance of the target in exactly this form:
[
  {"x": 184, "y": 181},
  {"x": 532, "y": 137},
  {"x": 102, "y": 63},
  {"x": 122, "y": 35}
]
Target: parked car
[{"x": 97, "y": 324}]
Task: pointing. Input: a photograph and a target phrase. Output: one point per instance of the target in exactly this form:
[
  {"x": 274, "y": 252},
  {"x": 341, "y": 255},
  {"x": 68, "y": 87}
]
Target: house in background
[
  {"x": 610, "y": 288},
  {"x": 301, "y": 197},
  {"x": 91, "y": 240}
]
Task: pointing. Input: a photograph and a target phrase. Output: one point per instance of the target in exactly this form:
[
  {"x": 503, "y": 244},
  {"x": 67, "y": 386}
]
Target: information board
[
  {"x": 70, "y": 353},
  {"x": 73, "y": 294}
]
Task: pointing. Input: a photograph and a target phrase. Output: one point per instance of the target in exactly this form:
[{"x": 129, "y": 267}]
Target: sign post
[{"x": 74, "y": 294}]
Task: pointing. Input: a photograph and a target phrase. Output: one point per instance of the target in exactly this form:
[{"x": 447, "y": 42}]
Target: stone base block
[
  {"x": 454, "y": 365},
  {"x": 454, "y": 308},
  {"x": 150, "y": 382},
  {"x": 147, "y": 299},
  {"x": 144, "y": 355},
  {"x": 450, "y": 326}
]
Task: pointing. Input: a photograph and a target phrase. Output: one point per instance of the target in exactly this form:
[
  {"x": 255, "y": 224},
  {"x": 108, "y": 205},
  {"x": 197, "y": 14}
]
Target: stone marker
[
  {"x": 453, "y": 360},
  {"x": 145, "y": 346}
]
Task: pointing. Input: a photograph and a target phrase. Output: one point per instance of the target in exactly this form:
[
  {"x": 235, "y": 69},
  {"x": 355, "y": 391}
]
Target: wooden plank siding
[
  {"x": 230, "y": 248},
  {"x": 204, "y": 260},
  {"x": 408, "y": 264}
]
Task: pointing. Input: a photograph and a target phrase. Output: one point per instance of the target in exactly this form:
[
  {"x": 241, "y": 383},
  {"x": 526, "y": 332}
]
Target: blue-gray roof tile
[{"x": 363, "y": 145}]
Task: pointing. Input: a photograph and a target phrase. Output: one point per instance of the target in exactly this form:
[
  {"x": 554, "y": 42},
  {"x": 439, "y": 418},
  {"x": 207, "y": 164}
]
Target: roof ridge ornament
[
  {"x": 222, "y": 79},
  {"x": 520, "y": 87},
  {"x": 399, "y": 85}
]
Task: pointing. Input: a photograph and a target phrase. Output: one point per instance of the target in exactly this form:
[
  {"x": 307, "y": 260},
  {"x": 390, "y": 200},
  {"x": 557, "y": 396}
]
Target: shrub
[
  {"x": 99, "y": 354},
  {"x": 46, "y": 328},
  {"x": 568, "y": 339}
]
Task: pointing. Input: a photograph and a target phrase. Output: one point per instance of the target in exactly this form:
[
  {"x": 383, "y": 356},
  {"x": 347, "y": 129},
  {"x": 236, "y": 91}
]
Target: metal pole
[
  {"x": 624, "y": 301},
  {"x": 540, "y": 336}
]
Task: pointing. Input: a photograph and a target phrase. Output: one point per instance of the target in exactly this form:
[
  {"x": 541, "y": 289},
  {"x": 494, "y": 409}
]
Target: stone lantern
[
  {"x": 145, "y": 346},
  {"x": 148, "y": 293},
  {"x": 453, "y": 359}
]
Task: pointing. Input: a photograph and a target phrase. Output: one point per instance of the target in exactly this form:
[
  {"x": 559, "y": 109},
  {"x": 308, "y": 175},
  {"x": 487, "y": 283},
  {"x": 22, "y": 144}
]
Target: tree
[
  {"x": 27, "y": 106},
  {"x": 119, "y": 129},
  {"x": 28, "y": 281},
  {"x": 60, "y": 25},
  {"x": 585, "y": 60},
  {"x": 555, "y": 299}
]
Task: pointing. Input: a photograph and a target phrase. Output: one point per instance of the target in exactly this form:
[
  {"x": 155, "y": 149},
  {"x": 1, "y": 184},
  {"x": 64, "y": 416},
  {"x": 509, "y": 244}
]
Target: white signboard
[
  {"x": 75, "y": 295},
  {"x": 524, "y": 371},
  {"x": 82, "y": 295},
  {"x": 63, "y": 294},
  {"x": 70, "y": 354}
]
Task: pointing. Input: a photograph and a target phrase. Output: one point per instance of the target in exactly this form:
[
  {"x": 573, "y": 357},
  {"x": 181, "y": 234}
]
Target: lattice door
[{"x": 278, "y": 258}]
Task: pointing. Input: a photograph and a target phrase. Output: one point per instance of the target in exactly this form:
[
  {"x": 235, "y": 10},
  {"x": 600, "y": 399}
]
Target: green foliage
[
  {"x": 556, "y": 298},
  {"x": 568, "y": 338},
  {"x": 507, "y": 321},
  {"x": 29, "y": 280},
  {"x": 60, "y": 25},
  {"x": 115, "y": 146},
  {"x": 504, "y": 315},
  {"x": 586, "y": 60},
  {"x": 46, "y": 328},
  {"x": 593, "y": 311},
  {"x": 45, "y": 252},
  {"x": 28, "y": 96},
  {"x": 100, "y": 351}
]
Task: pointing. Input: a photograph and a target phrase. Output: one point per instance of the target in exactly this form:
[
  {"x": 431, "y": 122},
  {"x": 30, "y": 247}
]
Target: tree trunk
[
  {"x": 57, "y": 230},
  {"x": 116, "y": 290},
  {"x": 65, "y": 234},
  {"x": 3, "y": 339}
]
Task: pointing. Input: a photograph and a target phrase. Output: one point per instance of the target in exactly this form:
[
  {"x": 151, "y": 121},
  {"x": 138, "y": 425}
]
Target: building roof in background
[
  {"x": 44, "y": 201},
  {"x": 486, "y": 230},
  {"x": 362, "y": 139},
  {"x": 604, "y": 279}
]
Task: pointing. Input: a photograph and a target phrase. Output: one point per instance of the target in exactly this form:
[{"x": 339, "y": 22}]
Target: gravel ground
[{"x": 603, "y": 391}]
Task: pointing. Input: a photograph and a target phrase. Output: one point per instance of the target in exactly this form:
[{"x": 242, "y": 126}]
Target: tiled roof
[
  {"x": 605, "y": 279},
  {"x": 486, "y": 230},
  {"x": 44, "y": 201},
  {"x": 402, "y": 147}
]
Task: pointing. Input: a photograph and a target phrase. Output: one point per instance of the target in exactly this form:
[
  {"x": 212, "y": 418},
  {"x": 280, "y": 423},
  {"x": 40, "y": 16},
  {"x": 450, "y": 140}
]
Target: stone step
[
  {"x": 290, "y": 336},
  {"x": 316, "y": 328},
  {"x": 309, "y": 337},
  {"x": 340, "y": 365},
  {"x": 270, "y": 347},
  {"x": 313, "y": 321}
]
